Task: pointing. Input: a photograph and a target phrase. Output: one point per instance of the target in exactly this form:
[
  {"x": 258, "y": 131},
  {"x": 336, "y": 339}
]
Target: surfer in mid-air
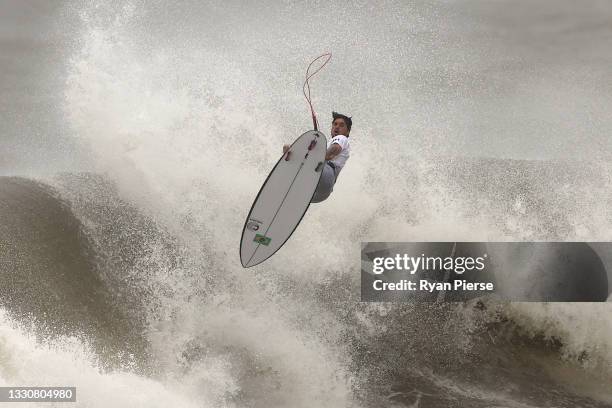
[
  {"x": 338, "y": 152},
  {"x": 305, "y": 174}
]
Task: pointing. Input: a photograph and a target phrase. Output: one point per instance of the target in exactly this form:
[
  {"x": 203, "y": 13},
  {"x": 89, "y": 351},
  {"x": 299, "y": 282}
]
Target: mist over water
[{"x": 155, "y": 123}]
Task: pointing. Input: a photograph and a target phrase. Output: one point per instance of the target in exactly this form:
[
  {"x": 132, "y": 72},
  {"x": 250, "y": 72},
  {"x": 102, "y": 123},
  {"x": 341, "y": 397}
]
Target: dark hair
[{"x": 346, "y": 119}]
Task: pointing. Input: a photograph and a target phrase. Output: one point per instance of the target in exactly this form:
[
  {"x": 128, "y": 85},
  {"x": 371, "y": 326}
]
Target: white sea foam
[{"x": 186, "y": 107}]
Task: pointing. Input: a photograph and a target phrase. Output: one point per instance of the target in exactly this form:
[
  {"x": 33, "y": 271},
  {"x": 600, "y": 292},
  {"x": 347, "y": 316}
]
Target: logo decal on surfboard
[
  {"x": 262, "y": 239},
  {"x": 253, "y": 225}
]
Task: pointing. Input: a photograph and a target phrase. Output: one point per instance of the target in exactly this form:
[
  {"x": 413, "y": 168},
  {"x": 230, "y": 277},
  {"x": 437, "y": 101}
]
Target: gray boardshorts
[{"x": 326, "y": 183}]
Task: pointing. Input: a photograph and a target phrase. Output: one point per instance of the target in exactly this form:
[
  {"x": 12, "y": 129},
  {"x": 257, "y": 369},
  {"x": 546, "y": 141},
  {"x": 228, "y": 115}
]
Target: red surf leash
[{"x": 306, "y": 85}]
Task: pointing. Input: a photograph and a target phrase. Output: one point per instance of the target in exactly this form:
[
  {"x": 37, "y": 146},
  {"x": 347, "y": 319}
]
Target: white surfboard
[{"x": 283, "y": 199}]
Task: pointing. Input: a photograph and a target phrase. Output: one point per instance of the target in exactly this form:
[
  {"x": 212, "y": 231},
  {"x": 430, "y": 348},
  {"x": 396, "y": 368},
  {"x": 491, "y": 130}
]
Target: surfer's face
[{"x": 339, "y": 128}]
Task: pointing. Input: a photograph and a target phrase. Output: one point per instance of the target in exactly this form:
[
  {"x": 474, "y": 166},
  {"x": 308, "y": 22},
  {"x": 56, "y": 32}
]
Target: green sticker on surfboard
[{"x": 262, "y": 239}]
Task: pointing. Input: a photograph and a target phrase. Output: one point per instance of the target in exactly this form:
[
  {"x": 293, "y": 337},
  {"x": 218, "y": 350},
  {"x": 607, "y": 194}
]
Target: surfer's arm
[{"x": 333, "y": 151}]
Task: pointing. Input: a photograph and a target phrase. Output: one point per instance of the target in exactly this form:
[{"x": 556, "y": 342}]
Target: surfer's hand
[{"x": 285, "y": 148}]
